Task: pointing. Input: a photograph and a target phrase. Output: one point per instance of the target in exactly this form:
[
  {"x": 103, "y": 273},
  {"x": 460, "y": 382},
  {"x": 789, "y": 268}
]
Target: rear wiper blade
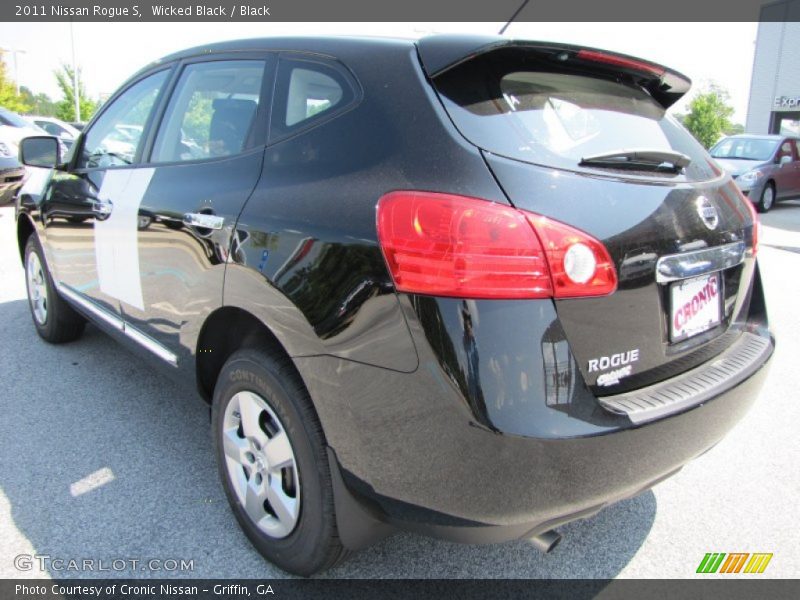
[{"x": 639, "y": 159}]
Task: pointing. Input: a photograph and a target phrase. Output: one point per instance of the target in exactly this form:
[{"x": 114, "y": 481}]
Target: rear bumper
[
  {"x": 496, "y": 436},
  {"x": 582, "y": 476},
  {"x": 412, "y": 456}
]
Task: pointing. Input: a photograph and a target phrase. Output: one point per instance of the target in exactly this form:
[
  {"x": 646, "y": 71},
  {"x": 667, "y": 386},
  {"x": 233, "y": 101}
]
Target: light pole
[
  {"x": 14, "y": 53},
  {"x": 76, "y": 90}
]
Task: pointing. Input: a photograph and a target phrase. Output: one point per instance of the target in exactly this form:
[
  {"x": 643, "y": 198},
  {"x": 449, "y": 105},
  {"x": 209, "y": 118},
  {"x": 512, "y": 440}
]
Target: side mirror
[
  {"x": 40, "y": 151},
  {"x": 784, "y": 160}
]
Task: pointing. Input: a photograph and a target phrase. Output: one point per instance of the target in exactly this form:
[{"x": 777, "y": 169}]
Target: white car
[
  {"x": 13, "y": 128},
  {"x": 56, "y": 127}
]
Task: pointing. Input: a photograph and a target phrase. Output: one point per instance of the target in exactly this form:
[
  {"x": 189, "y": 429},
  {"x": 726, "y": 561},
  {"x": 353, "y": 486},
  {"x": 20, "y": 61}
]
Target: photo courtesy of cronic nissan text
[{"x": 319, "y": 299}]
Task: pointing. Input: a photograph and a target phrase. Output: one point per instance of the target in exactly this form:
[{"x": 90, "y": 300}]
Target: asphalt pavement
[{"x": 102, "y": 459}]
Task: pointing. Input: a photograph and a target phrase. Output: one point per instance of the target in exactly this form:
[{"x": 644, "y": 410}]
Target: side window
[
  {"x": 308, "y": 92},
  {"x": 212, "y": 111},
  {"x": 795, "y": 150},
  {"x": 50, "y": 128},
  {"x": 115, "y": 137},
  {"x": 786, "y": 150}
]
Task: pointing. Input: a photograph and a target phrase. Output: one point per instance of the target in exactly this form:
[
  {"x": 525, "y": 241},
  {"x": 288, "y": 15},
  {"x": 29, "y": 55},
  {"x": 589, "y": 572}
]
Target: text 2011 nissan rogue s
[{"x": 472, "y": 287}]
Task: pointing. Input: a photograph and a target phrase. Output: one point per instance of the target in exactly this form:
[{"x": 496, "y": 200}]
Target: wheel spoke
[
  {"x": 285, "y": 507},
  {"x": 250, "y": 409},
  {"x": 234, "y": 446},
  {"x": 254, "y": 497},
  {"x": 278, "y": 451}
]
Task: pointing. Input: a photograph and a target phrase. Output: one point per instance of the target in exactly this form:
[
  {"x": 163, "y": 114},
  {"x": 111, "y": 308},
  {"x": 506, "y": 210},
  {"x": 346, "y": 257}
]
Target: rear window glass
[{"x": 556, "y": 119}]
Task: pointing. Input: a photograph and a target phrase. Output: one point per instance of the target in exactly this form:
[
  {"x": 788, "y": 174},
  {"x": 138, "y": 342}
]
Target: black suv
[{"x": 472, "y": 287}]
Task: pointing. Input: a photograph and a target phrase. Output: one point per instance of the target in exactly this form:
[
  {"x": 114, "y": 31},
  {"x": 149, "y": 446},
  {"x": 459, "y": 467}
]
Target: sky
[{"x": 108, "y": 53}]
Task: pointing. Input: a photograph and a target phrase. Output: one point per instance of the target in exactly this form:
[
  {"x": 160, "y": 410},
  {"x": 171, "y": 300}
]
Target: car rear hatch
[{"x": 582, "y": 136}]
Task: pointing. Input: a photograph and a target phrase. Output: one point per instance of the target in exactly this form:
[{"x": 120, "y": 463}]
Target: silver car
[{"x": 765, "y": 167}]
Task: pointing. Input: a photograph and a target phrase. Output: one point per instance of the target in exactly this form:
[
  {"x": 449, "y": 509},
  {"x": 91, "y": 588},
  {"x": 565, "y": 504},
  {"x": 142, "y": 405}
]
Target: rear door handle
[{"x": 203, "y": 220}]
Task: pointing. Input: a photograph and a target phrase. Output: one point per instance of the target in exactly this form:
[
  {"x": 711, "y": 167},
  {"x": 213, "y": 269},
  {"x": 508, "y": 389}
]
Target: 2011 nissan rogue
[{"x": 472, "y": 287}]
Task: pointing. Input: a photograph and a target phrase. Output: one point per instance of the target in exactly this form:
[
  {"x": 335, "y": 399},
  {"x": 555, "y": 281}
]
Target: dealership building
[{"x": 774, "y": 105}]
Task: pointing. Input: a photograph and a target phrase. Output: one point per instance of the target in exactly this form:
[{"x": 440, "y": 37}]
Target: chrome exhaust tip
[{"x": 545, "y": 542}]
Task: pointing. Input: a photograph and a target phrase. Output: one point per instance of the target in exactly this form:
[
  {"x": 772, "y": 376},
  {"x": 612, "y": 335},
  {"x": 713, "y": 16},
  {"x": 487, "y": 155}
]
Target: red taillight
[
  {"x": 446, "y": 245},
  {"x": 620, "y": 61},
  {"x": 756, "y": 221},
  {"x": 753, "y": 217},
  {"x": 566, "y": 249}
]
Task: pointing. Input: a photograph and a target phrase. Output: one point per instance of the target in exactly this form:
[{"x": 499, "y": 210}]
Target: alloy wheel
[
  {"x": 37, "y": 288},
  {"x": 768, "y": 197},
  {"x": 261, "y": 464}
]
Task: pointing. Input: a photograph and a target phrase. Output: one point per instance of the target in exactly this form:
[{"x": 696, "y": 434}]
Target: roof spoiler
[{"x": 440, "y": 53}]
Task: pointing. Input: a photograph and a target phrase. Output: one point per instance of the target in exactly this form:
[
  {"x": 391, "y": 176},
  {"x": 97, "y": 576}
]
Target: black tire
[
  {"x": 313, "y": 545},
  {"x": 767, "y": 199},
  {"x": 61, "y": 323}
]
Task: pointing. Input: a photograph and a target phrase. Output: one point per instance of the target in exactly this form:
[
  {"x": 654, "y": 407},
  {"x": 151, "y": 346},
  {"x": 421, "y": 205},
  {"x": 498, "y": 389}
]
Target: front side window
[
  {"x": 212, "y": 111},
  {"x": 115, "y": 138}
]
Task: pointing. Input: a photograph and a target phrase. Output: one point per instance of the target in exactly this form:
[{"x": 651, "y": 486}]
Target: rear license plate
[{"x": 694, "y": 306}]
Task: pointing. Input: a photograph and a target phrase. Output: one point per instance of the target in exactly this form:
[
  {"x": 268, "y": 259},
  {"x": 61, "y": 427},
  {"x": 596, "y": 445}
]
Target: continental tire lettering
[{"x": 239, "y": 375}]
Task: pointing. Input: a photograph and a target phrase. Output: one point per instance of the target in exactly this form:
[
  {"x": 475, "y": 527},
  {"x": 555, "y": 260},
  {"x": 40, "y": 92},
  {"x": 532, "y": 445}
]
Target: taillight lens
[
  {"x": 756, "y": 221},
  {"x": 446, "y": 245},
  {"x": 579, "y": 264}
]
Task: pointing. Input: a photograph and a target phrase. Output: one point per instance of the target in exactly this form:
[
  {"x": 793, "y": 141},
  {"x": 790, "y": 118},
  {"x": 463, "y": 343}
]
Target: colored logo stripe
[
  {"x": 713, "y": 562},
  {"x": 710, "y": 562},
  {"x": 758, "y": 563},
  {"x": 734, "y": 562}
]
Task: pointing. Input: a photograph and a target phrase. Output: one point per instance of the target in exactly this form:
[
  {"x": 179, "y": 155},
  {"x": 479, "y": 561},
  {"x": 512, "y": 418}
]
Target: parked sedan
[
  {"x": 12, "y": 173},
  {"x": 56, "y": 127},
  {"x": 765, "y": 167},
  {"x": 465, "y": 286},
  {"x": 13, "y": 128}
]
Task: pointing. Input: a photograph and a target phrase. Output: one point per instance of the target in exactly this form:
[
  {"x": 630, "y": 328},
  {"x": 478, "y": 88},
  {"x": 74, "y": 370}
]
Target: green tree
[
  {"x": 65, "y": 110},
  {"x": 40, "y": 104},
  {"x": 709, "y": 115},
  {"x": 735, "y": 129},
  {"x": 8, "y": 91}
]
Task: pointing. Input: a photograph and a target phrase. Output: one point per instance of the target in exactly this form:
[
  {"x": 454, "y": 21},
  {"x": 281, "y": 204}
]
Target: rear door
[
  {"x": 679, "y": 237},
  {"x": 205, "y": 158}
]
